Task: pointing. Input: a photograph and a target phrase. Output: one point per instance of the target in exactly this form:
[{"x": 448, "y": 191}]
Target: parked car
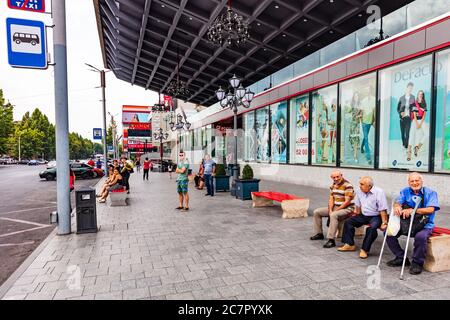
[
  {"x": 33, "y": 163},
  {"x": 23, "y": 161},
  {"x": 7, "y": 160},
  {"x": 157, "y": 165},
  {"x": 42, "y": 161},
  {"x": 81, "y": 170}
]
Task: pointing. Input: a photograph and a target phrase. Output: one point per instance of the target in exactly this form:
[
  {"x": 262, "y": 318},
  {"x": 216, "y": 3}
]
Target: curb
[{"x": 4, "y": 288}]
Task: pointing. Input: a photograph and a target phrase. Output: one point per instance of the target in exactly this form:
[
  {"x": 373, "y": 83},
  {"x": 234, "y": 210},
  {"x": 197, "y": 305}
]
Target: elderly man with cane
[{"x": 422, "y": 224}]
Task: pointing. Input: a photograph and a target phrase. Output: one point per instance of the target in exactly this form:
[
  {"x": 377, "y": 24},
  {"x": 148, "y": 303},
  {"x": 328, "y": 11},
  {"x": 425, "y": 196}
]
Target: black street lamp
[
  {"x": 160, "y": 135},
  {"x": 233, "y": 100}
]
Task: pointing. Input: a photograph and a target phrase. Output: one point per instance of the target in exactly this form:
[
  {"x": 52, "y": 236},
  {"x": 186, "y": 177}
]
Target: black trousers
[
  {"x": 145, "y": 174},
  {"x": 405, "y": 126},
  {"x": 126, "y": 181}
]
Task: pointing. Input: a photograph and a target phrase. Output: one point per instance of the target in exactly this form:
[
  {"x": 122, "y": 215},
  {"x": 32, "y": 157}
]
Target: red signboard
[
  {"x": 27, "y": 5},
  {"x": 140, "y": 126}
]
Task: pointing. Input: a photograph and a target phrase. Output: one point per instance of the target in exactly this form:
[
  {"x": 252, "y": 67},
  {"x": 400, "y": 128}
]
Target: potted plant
[
  {"x": 222, "y": 180},
  {"x": 246, "y": 184}
]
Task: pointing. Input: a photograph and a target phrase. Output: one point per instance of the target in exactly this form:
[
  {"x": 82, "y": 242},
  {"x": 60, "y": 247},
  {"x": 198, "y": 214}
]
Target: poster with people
[
  {"x": 279, "y": 132},
  {"x": 405, "y": 103},
  {"x": 442, "y": 147},
  {"x": 249, "y": 123},
  {"x": 324, "y": 130},
  {"x": 262, "y": 134},
  {"x": 299, "y": 128},
  {"x": 358, "y": 102},
  {"x": 135, "y": 117}
]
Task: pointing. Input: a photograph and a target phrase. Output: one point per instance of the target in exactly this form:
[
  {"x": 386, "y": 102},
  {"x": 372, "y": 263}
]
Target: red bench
[
  {"x": 118, "y": 197},
  {"x": 292, "y": 206}
]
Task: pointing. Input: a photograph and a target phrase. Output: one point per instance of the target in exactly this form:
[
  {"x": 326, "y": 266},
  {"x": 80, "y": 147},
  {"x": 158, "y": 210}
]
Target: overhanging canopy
[{"x": 142, "y": 37}]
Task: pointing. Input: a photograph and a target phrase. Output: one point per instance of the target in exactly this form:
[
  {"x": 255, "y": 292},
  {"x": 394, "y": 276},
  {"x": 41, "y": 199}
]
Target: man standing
[
  {"x": 209, "y": 171},
  {"x": 91, "y": 162},
  {"x": 426, "y": 212},
  {"x": 340, "y": 205},
  {"x": 146, "y": 168},
  {"x": 368, "y": 120},
  {"x": 182, "y": 181},
  {"x": 405, "y": 104},
  {"x": 126, "y": 172},
  {"x": 370, "y": 208}
]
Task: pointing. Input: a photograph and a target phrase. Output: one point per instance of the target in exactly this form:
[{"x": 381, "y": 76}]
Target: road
[{"x": 25, "y": 207}]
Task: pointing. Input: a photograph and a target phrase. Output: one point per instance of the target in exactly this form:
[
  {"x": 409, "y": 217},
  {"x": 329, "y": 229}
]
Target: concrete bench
[
  {"x": 438, "y": 251},
  {"x": 118, "y": 197},
  {"x": 292, "y": 206}
]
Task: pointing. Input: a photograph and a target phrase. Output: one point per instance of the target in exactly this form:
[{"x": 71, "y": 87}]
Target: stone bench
[
  {"x": 292, "y": 206},
  {"x": 438, "y": 251},
  {"x": 118, "y": 197}
]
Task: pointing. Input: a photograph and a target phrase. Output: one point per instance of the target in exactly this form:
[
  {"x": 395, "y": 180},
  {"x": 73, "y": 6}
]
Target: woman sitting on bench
[
  {"x": 115, "y": 183},
  {"x": 106, "y": 184}
]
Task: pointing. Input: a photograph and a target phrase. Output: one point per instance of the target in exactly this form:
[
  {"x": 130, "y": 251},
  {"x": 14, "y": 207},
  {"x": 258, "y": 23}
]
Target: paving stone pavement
[{"x": 221, "y": 249}]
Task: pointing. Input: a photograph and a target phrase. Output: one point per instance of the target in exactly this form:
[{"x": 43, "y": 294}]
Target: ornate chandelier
[
  {"x": 229, "y": 28},
  {"x": 178, "y": 88},
  {"x": 180, "y": 125}
]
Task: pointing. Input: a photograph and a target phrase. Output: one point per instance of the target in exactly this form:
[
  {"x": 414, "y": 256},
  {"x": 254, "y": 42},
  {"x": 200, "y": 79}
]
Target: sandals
[{"x": 101, "y": 201}]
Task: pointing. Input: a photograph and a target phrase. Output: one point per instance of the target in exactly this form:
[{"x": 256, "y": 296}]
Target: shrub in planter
[
  {"x": 222, "y": 180},
  {"x": 246, "y": 184}
]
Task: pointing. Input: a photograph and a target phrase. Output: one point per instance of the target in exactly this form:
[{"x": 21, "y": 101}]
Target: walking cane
[
  {"x": 417, "y": 200},
  {"x": 385, "y": 231}
]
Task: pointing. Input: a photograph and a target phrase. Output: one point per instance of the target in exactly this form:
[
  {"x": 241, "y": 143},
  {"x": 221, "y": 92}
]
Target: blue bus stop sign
[
  {"x": 27, "y": 43},
  {"x": 97, "y": 133}
]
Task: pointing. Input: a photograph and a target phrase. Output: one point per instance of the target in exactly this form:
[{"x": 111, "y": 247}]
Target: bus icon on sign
[{"x": 33, "y": 39}]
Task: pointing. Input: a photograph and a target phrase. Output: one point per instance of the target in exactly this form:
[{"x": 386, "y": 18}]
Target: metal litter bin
[{"x": 86, "y": 210}]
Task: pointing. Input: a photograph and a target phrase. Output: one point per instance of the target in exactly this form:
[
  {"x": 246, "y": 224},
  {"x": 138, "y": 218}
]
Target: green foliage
[
  {"x": 247, "y": 173},
  {"x": 6, "y": 124},
  {"x": 220, "y": 169}
]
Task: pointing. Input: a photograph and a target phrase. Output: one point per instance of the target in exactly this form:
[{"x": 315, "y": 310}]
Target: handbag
[{"x": 419, "y": 222}]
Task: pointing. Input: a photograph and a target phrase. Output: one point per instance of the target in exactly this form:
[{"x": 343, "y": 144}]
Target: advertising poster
[
  {"x": 262, "y": 134},
  {"x": 405, "y": 103},
  {"x": 325, "y": 118},
  {"x": 279, "y": 132},
  {"x": 135, "y": 117},
  {"x": 357, "y": 99},
  {"x": 249, "y": 136},
  {"x": 299, "y": 129},
  {"x": 442, "y": 156}
]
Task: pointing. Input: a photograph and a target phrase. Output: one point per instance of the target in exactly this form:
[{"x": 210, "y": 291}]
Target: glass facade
[
  {"x": 299, "y": 129},
  {"x": 324, "y": 121},
  {"x": 250, "y": 137},
  {"x": 405, "y": 96},
  {"x": 442, "y": 134},
  {"x": 279, "y": 128},
  {"x": 262, "y": 134},
  {"x": 358, "y": 114}
]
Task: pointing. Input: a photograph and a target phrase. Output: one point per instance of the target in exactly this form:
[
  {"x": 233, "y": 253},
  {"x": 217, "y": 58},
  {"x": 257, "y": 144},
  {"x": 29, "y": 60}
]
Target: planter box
[
  {"x": 222, "y": 183},
  {"x": 244, "y": 188}
]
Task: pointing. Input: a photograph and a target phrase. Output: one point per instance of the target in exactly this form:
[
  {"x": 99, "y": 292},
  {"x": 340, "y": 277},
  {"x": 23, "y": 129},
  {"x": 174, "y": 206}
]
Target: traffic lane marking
[
  {"x": 26, "y": 222},
  {"x": 16, "y": 244},
  {"x": 22, "y": 231},
  {"x": 25, "y": 210}
]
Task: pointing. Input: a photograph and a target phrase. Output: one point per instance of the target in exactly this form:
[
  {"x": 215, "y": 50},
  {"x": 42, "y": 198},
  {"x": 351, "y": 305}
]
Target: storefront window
[
  {"x": 357, "y": 101},
  {"x": 442, "y": 139},
  {"x": 250, "y": 137},
  {"x": 262, "y": 134},
  {"x": 298, "y": 129},
  {"x": 279, "y": 131},
  {"x": 324, "y": 130},
  {"x": 405, "y": 92}
]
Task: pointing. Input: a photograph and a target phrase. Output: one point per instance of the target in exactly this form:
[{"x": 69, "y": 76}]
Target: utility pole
[
  {"x": 61, "y": 116},
  {"x": 19, "y": 148}
]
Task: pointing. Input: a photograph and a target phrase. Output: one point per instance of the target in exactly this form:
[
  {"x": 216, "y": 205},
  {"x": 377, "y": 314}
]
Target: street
[{"x": 25, "y": 207}]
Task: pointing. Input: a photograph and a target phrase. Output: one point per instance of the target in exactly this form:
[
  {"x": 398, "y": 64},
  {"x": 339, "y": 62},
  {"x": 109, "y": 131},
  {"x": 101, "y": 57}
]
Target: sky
[{"x": 28, "y": 89}]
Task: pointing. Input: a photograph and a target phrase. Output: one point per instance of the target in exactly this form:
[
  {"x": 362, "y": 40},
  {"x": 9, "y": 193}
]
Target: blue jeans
[
  {"x": 209, "y": 184},
  {"x": 358, "y": 221},
  {"x": 365, "y": 142}
]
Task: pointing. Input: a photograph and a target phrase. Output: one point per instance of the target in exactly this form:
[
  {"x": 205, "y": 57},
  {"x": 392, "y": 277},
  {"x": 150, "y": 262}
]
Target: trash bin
[{"x": 86, "y": 210}]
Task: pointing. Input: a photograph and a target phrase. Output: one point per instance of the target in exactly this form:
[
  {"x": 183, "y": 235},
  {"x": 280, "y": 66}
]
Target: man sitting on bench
[
  {"x": 425, "y": 212},
  {"x": 370, "y": 208},
  {"x": 340, "y": 205}
]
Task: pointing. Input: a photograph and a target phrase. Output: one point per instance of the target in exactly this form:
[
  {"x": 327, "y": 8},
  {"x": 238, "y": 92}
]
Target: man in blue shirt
[
  {"x": 209, "y": 167},
  {"x": 404, "y": 207},
  {"x": 370, "y": 208}
]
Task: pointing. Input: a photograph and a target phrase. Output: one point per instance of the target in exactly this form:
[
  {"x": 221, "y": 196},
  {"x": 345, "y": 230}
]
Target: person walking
[
  {"x": 146, "y": 169},
  {"x": 182, "y": 182},
  {"x": 170, "y": 168},
  {"x": 137, "y": 164},
  {"x": 208, "y": 173}
]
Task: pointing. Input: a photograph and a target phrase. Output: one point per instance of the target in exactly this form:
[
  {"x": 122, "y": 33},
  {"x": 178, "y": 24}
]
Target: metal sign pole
[
  {"x": 105, "y": 155},
  {"x": 61, "y": 117}
]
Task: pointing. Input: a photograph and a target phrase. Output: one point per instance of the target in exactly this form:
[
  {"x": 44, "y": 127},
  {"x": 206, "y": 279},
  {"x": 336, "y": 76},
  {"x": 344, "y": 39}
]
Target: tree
[{"x": 6, "y": 123}]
